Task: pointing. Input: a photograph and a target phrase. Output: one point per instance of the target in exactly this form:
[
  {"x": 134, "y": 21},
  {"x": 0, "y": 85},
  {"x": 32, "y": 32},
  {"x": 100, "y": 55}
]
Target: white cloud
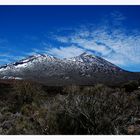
[
  {"x": 62, "y": 39},
  {"x": 91, "y": 45},
  {"x": 65, "y": 52},
  {"x": 115, "y": 45}
]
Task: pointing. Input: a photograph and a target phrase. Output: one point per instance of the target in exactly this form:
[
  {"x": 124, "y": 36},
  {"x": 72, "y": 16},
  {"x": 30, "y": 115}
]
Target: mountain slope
[{"x": 84, "y": 69}]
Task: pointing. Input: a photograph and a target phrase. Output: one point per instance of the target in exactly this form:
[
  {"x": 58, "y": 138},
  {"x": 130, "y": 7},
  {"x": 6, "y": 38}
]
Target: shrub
[
  {"x": 81, "y": 110},
  {"x": 26, "y": 93},
  {"x": 139, "y": 82},
  {"x": 96, "y": 113},
  {"x": 131, "y": 86},
  {"x": 73, "y": 89}
]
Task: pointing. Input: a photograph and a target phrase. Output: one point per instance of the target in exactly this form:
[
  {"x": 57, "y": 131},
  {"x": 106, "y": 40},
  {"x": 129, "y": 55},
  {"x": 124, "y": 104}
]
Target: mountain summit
[{"x": 84, "y": 69}]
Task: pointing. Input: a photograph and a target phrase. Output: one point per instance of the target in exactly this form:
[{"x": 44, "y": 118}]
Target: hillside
[{"x": 84, "y": 69}]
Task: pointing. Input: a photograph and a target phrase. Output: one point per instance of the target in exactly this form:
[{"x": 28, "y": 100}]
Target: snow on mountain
[
  {"x": 29, "y": 61},
  {"x": 82, "y": 69},
  {"x": 11, "y": 77},
  {"x": 94, "y": 61}
]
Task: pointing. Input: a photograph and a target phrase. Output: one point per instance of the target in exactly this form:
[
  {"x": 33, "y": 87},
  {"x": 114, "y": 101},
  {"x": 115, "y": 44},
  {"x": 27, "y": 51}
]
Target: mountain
[{"x": 84, "y": 69}]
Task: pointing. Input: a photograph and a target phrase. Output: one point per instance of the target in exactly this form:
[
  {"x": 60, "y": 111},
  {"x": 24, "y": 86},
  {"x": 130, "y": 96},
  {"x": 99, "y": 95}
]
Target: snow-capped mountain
[{"x": 84, "y": 69}]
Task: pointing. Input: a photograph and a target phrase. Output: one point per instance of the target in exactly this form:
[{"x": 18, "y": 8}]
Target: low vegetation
[{"x": 31, "y": 108}]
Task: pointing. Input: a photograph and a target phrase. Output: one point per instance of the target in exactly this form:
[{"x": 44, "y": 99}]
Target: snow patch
[{"x": 11, "y": 77}]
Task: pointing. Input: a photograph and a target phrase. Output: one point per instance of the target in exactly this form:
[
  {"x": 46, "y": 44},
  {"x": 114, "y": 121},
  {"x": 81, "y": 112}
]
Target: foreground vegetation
[{"x": 31, "y": 108}]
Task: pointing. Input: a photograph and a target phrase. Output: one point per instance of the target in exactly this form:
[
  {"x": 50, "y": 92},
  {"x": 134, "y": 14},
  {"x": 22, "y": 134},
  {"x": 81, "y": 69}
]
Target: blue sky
[{"x": 112, "y": 32}]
